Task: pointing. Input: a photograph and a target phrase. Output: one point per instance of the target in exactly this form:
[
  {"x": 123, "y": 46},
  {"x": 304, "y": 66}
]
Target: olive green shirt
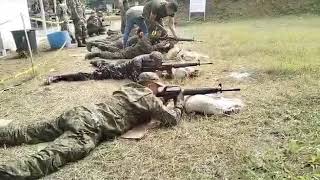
[{"x": 130, "y": 106}]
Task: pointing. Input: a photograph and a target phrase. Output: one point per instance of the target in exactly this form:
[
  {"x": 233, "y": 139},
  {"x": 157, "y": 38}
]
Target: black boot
[
  {"x": 80, "y": 43},
  {"x": 84, "y": 41},
  {"x": 73, "y": 40}
]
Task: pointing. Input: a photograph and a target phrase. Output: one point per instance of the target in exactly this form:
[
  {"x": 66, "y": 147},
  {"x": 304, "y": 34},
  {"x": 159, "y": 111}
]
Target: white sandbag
[
  {"x": 207, "y": 104},
  {"x": 184, "y": 55},
  {"x": 172, "y": 53},
  {"x": 182, "y": 73}
]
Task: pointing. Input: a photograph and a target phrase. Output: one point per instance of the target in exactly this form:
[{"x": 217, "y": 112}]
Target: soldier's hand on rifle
[{"x": 179, "y": 101}]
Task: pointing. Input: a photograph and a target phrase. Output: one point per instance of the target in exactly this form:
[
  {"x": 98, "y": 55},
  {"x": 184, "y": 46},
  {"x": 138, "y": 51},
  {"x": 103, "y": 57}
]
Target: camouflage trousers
[
  {"x": 124, "y": 70},
  {"x": 80, "y": 29},
  {"x": 103, "y": 46},
  {"x": 74, "y": 134},
  {"x": 65, "y": 27},
  {"x": 128, "y": 53}
]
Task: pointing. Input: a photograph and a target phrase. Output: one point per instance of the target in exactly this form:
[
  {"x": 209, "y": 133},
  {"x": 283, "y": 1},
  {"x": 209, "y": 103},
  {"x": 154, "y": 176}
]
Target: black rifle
[
  {"x": 179, "y": 39},
  {"x": 171, "y": 92},
  {"x": 168, "y": 66}
]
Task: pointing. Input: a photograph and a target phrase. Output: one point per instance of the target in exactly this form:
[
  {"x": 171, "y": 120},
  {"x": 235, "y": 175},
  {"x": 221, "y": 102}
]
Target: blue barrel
[{"x": 57, "y": 39}]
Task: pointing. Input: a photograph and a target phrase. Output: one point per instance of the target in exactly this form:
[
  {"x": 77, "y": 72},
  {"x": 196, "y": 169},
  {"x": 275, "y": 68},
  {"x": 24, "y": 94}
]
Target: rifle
[
  {"x": 168, "y": 66},
  {"x": 179, "y": 39},
  {"x": 171, "y": 92}
]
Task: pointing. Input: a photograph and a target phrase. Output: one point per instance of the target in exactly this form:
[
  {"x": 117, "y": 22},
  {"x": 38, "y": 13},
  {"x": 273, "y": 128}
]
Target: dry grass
[{"x": 275, "y": 137}]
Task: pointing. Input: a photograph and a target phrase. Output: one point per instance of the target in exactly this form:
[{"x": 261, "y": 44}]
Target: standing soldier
[
  {"x": 78, "y": 17},
  {"x": 62, "y": 13},
  {"x": 154, "y": 11}
]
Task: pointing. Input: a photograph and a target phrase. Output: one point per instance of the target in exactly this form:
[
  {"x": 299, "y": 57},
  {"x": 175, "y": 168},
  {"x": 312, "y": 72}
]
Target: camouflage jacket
[
  {"x": 62, "y": 12},
  {"x": 77, "y": 9},
  {"x": 130, "y": 106}
]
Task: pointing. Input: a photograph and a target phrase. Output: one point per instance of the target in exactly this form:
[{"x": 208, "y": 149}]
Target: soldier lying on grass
[
  {"x": 75, "y": 133},
  {"x": 143, "y": 46},
  {"x": 130, "y": 69}
]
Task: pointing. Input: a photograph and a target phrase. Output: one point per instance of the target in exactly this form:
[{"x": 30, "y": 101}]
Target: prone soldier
[
  {"x": 130, "y": 69},
  {"x": 143, "y": 46},
  {"x": 78, "y": 131}
]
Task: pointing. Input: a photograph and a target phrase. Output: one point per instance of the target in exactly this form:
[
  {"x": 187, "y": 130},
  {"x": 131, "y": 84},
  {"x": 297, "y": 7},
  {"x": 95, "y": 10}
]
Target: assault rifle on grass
[
  {"x": 168, "y": 66},
  {"x": 171, "y": 92},
  {"x": 179, "y": 39}
]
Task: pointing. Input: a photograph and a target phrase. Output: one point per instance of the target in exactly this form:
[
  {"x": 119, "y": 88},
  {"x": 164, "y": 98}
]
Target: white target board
[{"x": 197, "y": 6}]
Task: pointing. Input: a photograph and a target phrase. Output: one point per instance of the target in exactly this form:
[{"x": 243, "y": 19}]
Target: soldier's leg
[
  {"x": 31, "y": 134},
  {"x": 100, "y": 62},
  {"x": 70, "y": 77},
  {"x": 106, "y": 55},
  {"x": 69, "y": 147},
  {"x": 129, "y": 26},
  {"x": 65, "y": 27},
  {"x": 78, "y": 32},
  {"x": 83, "y": 32},
  {"x": 81, "y": 134},
  {"x": 109, "y": 48}
]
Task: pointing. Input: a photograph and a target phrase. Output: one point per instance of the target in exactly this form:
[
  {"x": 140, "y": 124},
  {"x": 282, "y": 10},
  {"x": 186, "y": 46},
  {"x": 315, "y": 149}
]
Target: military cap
[{"x": 149, "y": 77}]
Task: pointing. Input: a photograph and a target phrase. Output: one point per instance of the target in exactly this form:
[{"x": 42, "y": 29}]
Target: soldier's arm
[
  {"x": 172, "y": 26},
  {"x": 168, "y": 116}
]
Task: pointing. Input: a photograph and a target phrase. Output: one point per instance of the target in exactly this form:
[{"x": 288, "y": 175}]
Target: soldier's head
[
  {"x": 93, "y": 13},
  {"x": 139, "y": 33},
  {"x": 171, "y": 7},
  {"x": 150, "y": 80},
  {"x": 156, "y": 57}
]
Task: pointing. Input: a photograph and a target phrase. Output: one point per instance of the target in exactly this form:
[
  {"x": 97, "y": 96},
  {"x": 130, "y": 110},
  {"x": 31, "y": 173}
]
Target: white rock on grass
[{"x": 240, "y": 75}]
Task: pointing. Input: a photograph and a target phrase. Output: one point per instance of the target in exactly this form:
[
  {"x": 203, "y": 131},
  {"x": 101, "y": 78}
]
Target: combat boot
[
  {"x": 84, "y": 41},
  {"x": 80, "y": 43},
  {"x": 73, "y": 40}
]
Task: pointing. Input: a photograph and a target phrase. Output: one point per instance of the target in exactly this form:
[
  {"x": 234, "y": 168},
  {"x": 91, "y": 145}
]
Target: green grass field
[
  {"x": 280, "y": 126},
  {"x": 276, "y": 136}
]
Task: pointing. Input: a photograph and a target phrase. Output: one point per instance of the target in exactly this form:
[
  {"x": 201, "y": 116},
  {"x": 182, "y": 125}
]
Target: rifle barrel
[{"x": 237, "y": 89}]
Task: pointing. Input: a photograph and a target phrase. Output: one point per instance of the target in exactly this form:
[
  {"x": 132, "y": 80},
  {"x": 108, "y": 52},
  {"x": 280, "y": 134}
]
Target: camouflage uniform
[
  {"x": 77, "y": 132},
  {"x": 112, "y": 45},
  {"x": 95, "y": 26},
  {"x": 62, "y": 13},
  {"x": 143, "y": 46},
  {"x": 78, "y": 17},
  {"x": 130, "y": 69}
]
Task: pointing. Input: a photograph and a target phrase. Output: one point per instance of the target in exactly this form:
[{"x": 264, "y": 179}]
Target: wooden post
[{"x": 28, "y": 42}]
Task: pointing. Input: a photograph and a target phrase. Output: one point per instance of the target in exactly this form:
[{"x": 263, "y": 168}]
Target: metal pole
[
  {"x": 43, "y": 16},
  {"x": 28, "y": 42}
]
